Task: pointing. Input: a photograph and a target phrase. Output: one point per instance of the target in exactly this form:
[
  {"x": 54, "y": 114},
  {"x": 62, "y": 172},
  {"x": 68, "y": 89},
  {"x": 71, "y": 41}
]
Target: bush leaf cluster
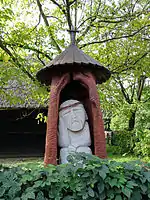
[
  {"x": 85, "y": 177},
  {"x": 135, "y": 142}
]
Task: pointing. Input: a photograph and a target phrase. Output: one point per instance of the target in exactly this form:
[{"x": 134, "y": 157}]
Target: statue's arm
[{"x": 63, "y": 137}]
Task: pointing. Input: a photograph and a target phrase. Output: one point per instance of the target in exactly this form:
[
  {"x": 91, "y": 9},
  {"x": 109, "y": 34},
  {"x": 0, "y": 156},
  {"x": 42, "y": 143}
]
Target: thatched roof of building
[
  {"x": 16, "y": 95},
  {"x": 73, "y": 59}
]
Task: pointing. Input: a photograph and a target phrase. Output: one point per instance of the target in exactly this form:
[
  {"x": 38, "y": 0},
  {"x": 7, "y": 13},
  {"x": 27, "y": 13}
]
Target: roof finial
[{"x": 73, "y": 35}]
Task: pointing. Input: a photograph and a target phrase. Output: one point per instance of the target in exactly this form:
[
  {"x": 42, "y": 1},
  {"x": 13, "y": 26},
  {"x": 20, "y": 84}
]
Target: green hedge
[
  {"x": 135, "y": 142},
  {"x": 86, "y": 177}
]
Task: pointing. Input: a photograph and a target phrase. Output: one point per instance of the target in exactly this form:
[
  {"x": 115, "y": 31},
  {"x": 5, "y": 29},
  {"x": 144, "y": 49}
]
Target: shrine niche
[{"x": 73, "y": 76}]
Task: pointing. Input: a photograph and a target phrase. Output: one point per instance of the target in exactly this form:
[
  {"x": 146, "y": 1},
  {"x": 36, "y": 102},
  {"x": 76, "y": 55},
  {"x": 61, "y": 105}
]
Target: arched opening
[
  {"x": 77, "y": 91},
  {"x": 74, "y": 90}
]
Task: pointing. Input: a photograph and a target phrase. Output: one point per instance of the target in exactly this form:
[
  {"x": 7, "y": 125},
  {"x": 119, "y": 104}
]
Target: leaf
[
  {"x": 40, "y": 196},
  {"x": 86, "y": 175},
  {"x": 143, "y": 188},
  {"x": 130, "y": 184},
  {"x": 111, "y": 193},
  {"x": 13, "y": 190},
  {"x": 29, "y": 195},
  {"x": 2, "y": 191},
  {"x": 136, "y": 195},
  {"x": 100, "y": 187},
  {"x": 27, "y": 177},
  {"x": 127, "y": 192},
  {"x": 113, "y": 182},
  {"x": 122, "y": 180},
  {"x": 68, "y": 198},
  {"x": 147, "y": 175},
  {"x": 105, "y": 169},
  {"x": 118, "y": 197},
  {"x": 102, "y": 174},
  {"x": 91, "y": 192},
  {"x": 102, "y": 196},
  {"x": 37, "y": 184}
]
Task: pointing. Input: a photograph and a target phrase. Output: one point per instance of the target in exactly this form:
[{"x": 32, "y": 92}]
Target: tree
[{"x": 116, "y": 33}]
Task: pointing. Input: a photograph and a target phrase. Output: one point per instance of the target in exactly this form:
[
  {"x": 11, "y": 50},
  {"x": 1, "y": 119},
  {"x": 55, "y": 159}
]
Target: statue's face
[{"x": 74, "y": 117}]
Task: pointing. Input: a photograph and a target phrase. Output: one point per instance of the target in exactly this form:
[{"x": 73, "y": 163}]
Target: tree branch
[
  {"x": 59, "y": 6},
  {"x": 47, "y": 25},
  {"x": 134, "y": 6},
  {"x": 66, "y": 12},
  {"x": 114, "y": 38},
  {"x": 29, "y": 48},
  {"x": 147, "y": 100},
  {"x": 4, "y": 48},
  {"x": 123, "y": 90},
  {"x": 92, "y": 19},
  {"x": 132, "y": 91},
  {"x": 49, "y": 16},
  {"x": 119, "y": 19},
  {"x": 37, "y": 23},
  {"x": 103, "y": 21},
  {"x": 82, "y": 10},
  {"x": 43, "y": 63},
  {"x": 127, "y": 64},
  {"x": 68, "y": 15},
  {"x": 144, "y": 55},
  {"x": 141, "y": 83}
]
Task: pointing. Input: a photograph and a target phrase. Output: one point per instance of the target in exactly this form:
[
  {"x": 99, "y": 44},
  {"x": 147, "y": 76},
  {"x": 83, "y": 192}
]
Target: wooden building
[{"x": 20, "y": 133}]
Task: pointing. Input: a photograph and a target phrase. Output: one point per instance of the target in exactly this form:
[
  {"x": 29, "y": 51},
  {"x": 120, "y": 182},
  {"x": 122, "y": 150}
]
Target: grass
[
  {"x": 39, "y": 161},
  {"x": 21, "y": 161},
  {"x": 127, "y": 158}
]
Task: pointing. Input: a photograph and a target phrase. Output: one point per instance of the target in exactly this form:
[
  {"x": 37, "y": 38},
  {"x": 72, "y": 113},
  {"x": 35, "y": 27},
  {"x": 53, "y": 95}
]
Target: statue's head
[{"x": 73, "y": 115}]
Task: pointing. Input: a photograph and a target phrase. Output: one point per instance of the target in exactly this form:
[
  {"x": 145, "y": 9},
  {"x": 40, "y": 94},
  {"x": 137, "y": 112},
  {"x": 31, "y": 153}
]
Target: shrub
[
  {"x": 124, "y": 142},
  {"x": 85, "y": 177},
  {"x": 131, "y": 142},
  {"x": 112, "y": 150},
  {"x": 142, "y": 146}
]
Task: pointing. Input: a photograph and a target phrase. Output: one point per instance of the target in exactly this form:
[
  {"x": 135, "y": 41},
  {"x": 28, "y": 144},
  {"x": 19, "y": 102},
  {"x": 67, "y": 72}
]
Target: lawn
[
  {"x": 21, "y": 161},
  {"x": 39, "y": 161},
  {"x": 120, "y": 158}
]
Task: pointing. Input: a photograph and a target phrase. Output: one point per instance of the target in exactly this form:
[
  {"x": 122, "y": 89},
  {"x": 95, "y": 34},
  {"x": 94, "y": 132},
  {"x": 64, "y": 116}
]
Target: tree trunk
[{"x": 132, "y": 120}]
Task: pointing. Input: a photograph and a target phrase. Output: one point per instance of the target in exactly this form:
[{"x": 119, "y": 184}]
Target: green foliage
[
  {"x": 121, "y": 113},
  {"x": 41, "y": 118},
  {"x": 120, "y": 121},
  {"x": 142, "y": 146},
  {"x": 131, "y": 142},
  {"x": 85, "y": 177},
  {"x": 143, "y": 112},
  {"x": 32, "y": 34},
  {"x": 124, "y": 142}
]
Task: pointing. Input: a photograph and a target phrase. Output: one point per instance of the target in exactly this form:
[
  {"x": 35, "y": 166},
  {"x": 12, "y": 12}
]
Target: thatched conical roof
[{"x": 73, "y": 59}]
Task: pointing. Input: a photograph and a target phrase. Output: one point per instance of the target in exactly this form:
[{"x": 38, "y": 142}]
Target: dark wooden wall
[{"x": 20, "y": 133}]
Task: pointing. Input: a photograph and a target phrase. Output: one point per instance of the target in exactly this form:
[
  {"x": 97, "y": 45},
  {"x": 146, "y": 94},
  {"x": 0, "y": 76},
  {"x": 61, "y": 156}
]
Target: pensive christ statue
[{"x": 73, "y": 129}]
